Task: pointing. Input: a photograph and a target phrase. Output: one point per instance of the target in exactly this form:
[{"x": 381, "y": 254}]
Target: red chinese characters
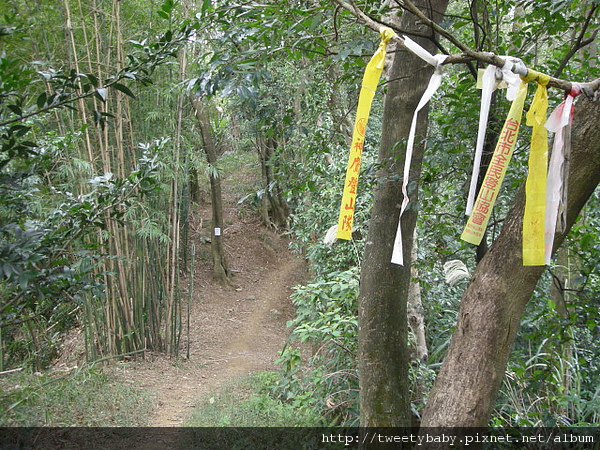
[
  {"x": 358, "y": 146},
  {"x": 347, "y": 222},
  {"x": 355, "y": 165},
  {"x": 352, "y": 185},
  {"x": 482, "y": 207},
  {"x": 350, "y": 204},
  {"x": 477, "y": 218},
  {"x": 495, "y": 174},
  {"x": 490, "y": 187}
]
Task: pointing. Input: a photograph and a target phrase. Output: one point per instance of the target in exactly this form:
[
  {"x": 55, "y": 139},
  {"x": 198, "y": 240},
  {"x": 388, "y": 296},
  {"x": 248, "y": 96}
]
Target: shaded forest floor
[{"x": 234, "y": 331}]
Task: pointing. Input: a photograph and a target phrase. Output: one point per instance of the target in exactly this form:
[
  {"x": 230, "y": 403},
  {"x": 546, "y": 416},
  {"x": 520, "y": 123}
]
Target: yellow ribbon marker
[
  {"x": 535, "y": 187},
  {"x": 482, "y": 210},
  {"x": 367, "y": 92}
]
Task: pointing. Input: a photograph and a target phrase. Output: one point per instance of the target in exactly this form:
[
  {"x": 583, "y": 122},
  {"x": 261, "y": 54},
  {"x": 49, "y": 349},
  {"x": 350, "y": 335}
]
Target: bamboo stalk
[
  {"x": 1, "y": 351},
  {"x": 190, "y": 296},
  {"x": 81, "y": 102},
  {"x": 118, "y": 121},
  {"x": 88, "y": 48}
]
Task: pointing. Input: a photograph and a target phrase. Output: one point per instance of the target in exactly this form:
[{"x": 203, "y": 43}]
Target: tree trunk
[
  {"x": 273, "y": 196},
  {"x": 416, "y": 321},
  {"x": 465, "y": 391},
  {"x": 382, "y": 313},
  {"x": 220, "y": 270},
  {"x": 560, "y": 277}
]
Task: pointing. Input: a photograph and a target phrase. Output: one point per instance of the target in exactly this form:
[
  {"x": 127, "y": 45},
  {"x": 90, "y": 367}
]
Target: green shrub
[
  {"x": 249, "y": 402},
  {"x": 327, "y": 379}
]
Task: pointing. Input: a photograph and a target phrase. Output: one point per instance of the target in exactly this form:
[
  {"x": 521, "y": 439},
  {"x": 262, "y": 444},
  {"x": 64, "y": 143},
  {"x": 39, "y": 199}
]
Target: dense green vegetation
[{"x": 101, "y": 161}]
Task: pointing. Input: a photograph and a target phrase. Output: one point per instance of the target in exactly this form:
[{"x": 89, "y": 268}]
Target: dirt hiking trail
[{"x": 234, "y": 331}]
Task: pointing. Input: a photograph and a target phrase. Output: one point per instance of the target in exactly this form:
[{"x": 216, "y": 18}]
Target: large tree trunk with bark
[
  {"x": 383, "y": 331},
  {"x": 466, "y": 389}
]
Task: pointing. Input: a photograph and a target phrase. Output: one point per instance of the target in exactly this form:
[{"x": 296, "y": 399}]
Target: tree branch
[
  {"x": 579, "y": 43},
  {"x": 410, "y": 6},
  {"x": 468, "y": 54}
]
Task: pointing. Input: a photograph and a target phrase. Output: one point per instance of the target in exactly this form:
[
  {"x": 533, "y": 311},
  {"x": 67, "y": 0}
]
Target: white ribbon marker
[
  {"x": 559, "y": 123},
  {"x": 490, "y": 84},
  {"x": 493, "y": 78},
  {"x": 511, "y": 74},
  {"x": 434, "y": 83}
]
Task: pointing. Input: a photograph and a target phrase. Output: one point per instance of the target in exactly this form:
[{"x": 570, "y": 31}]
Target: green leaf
[
  {"x": 41, "y": 100},
  {"x": 92, "y": 79},
  {"x": 124, "y": 89},
  {"x": 23, "y": 280},
  {"x": 19, "y": 130},
  {"x": 16, "y": 109},
  {"x": 97, "y": 116},
  {"x": 168, "y": 6}
]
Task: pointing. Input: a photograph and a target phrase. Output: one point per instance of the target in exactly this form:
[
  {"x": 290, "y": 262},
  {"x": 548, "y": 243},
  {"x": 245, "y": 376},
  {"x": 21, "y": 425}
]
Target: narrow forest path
[{"x": 234, "y": 330}]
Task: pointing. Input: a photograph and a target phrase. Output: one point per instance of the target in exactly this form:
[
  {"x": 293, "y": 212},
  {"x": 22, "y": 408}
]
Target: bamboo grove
[{"x": 88, "y": 61}]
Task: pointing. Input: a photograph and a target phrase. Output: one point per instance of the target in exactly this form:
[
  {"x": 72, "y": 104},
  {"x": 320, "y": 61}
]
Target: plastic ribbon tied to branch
[
  {"x": 559, "y": 123},
  {"x": 434, "y": 83},
  {"x": 545, "y": 195},
  {"x": 492, "y": 78},
  {"x": 369, "y": 84},
  {"x": 367, "y": 92},
  {"x": 488, "y": 193},
  {"x": 535, "y": 186},
  {"x": 489, "y": 85},
  {"x": 545, "y": 203}
]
